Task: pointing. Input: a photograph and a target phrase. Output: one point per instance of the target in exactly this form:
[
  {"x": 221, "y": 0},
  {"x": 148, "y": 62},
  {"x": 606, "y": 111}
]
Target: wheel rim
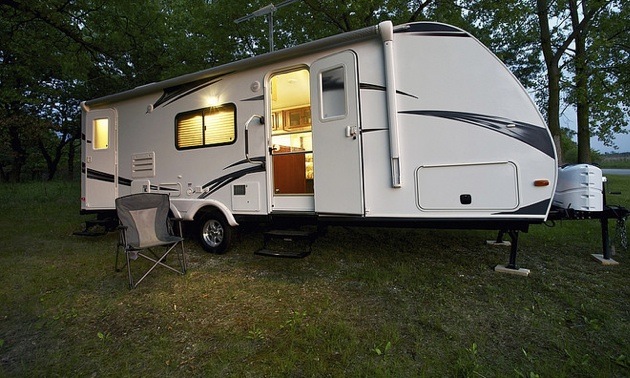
[{"x": 212, "y": 233}]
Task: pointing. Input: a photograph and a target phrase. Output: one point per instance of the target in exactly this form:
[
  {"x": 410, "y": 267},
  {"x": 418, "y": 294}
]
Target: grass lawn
[{"x": 367, "y": 302}]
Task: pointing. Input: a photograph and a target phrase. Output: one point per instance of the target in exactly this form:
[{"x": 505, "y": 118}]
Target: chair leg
[
  {"x": 158, "y": 261},
  {"x": 131, "y": 283},
  {"x": 182, "y": 256},
  {"x": 121, "y": 245}
]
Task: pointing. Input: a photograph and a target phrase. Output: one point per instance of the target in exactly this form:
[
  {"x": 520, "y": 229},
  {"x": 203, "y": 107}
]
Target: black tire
[{"x": 215, "y": 233}]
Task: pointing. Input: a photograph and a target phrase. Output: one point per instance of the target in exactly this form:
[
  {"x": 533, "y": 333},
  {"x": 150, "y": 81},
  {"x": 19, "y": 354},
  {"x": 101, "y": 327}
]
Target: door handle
[{"x": 351, "y": 132}]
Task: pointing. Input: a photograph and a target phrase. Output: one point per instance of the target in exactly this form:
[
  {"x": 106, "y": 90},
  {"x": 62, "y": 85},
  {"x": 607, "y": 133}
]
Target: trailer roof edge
[{"x": 256, "y": 61}]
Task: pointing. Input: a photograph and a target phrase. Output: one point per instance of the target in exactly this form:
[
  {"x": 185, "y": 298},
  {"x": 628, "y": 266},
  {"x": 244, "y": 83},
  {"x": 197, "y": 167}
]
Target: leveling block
[
  {"x": 516, "y": 271},
  {"x": 603, "y": 260},
  {"x": 502, "y": 268}
]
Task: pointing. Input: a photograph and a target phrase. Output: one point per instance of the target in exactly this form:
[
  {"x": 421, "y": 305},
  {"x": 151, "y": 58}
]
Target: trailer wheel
[{"x": 215, "y": 233}]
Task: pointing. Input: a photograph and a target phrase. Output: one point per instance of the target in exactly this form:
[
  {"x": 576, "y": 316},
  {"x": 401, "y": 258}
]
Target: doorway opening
[{"x": 291, "y": 140}]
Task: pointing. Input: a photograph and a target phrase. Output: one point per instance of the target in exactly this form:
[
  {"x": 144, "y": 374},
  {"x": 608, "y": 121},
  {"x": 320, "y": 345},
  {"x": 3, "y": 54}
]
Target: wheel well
[{"x": 204, "y": 211}]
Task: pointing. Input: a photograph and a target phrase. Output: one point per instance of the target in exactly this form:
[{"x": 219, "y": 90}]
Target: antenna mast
[{"x": 268, "y": 10}]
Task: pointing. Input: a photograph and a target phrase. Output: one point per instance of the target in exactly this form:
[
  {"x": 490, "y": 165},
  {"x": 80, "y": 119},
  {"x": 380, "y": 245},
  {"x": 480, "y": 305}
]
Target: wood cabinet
[
  {"x": 298, "y": 119},
  {"x": 289, "y": 173}
]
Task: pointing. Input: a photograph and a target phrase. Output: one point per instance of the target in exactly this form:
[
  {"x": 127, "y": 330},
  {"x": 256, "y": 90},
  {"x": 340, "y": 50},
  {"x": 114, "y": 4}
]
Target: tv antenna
[{"x": 268, "y": 10}]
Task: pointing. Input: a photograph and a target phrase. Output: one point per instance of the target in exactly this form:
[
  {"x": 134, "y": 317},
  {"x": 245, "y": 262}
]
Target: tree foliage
[
  {"x": 55, "y": 53},
  {"x": 602, "y": 67}
]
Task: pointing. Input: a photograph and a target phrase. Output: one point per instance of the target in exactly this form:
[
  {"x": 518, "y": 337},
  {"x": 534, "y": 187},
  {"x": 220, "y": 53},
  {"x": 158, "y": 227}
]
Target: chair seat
[{"x": 166, "y": 240}]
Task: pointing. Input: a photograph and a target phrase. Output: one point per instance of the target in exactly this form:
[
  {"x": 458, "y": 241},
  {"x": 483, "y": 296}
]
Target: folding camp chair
[{"x": 144, "y": 226}]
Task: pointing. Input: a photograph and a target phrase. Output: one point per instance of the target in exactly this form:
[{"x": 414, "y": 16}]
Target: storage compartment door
[{"x": 468, "y": 187}]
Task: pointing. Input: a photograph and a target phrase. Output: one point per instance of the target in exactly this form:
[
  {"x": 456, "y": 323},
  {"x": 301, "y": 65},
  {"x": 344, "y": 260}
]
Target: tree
[
  {"x": 601, "y": 66},
  {"x": 574, "y": 39},
  {"x": 39, "y": 49}
]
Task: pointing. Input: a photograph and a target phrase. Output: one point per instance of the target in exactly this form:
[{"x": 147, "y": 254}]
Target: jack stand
[
  {"x": 499, "y": 240},
  {"x": 512, "y": 268},
  {"x": 605, "y": 258}
]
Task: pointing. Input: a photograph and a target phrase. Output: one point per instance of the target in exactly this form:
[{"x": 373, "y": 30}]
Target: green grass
[
  {"x": 367, "y": 302},
  {"x": 619, "y": 162}
]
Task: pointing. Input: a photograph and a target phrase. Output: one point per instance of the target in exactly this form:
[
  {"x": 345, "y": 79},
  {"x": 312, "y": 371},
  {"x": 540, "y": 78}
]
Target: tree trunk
[
  {"x": 581, "y": 86},
  {"x": 71, "y": 153},
  {"x": 583, "y": 127},
  {"x": 553, "y": 108},
  {"x": 19, "y": 154},
  {"x": 553, "y": 76}
]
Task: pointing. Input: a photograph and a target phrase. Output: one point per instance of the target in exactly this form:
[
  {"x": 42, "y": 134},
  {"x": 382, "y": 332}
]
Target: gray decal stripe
[
  {"x": 535, "y": 136},
  {"x": 375, "y": 87},
  {"x": 255, "y": 98}
]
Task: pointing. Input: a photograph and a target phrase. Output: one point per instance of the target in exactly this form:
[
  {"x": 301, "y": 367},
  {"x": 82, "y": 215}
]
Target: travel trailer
[{"x": 414, "y": 125}]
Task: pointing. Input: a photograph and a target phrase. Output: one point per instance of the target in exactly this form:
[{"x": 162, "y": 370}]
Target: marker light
[{"x": 541, "y": 183}]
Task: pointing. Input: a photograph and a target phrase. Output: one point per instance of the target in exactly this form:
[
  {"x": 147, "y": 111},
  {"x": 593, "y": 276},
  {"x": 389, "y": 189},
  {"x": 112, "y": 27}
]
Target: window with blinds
[{"x": 206, "y": 127}]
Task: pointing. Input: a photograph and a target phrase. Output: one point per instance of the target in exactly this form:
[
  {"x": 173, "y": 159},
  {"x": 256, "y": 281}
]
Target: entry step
[{"x": 287, "y": 243}]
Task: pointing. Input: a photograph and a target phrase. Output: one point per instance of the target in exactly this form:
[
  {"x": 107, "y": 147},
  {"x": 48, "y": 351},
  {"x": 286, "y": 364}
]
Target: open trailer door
[{"x": 336, "y": 135}]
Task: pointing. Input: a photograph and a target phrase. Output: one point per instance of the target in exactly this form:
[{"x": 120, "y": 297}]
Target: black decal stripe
[
  {"x": 222, "y": 181},
  {"x": 179, "y": 93},
  {"x": 532, "y": 135},
  {"x": 173, "y": 94},
  {"x": 213, "y": 185},
  {"x": 106, "y": 177},
  {"x": 124, "y": 181},
  {"x": 375, "y": 87},
  {"x": 100, "y": 176},
  {"x": 245, "y": 161},
  {"x": 446, "y": 34},
  {"x": 372, "y": 130},
  {"x": 539, "y": 208},
  {"x": 429, "y": 28}
]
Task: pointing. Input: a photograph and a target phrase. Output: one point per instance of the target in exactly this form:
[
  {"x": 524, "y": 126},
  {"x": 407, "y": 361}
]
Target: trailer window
[
  {"x": 333, "y": 93},
  {"x": 100, "y": 133},
  {"x": 212, "y": 126}
]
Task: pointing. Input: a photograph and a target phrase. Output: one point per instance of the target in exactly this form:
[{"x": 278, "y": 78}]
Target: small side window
[
  {"x": 100, "y": 133},
  {"x": 206, "y": 127},
  {"x": 333, "y": 93}
]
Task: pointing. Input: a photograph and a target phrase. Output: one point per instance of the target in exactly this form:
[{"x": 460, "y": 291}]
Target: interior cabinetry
[
  {"x": 290, "y": 120},
  {"x": 292, "y": 156}
]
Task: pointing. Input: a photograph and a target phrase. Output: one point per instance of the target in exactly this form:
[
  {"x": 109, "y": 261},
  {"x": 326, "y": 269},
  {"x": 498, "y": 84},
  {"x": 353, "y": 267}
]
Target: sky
[{"x": 568, "y": 119}]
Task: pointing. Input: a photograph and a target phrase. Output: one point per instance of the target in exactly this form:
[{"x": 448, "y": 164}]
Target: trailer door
[
  {"x": 100, "y": 173},
  {"x": 336, "y": 135}
]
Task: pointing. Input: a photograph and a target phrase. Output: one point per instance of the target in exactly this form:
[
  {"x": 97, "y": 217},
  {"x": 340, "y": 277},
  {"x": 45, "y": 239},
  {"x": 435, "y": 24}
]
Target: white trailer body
[{"x": 416, "y": 124}]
